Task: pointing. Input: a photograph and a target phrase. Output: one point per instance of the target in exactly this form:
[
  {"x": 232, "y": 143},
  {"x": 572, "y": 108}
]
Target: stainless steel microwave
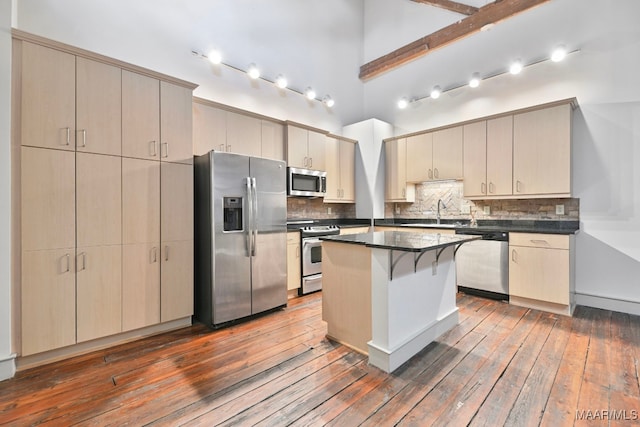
[{"x": 306, "y": 182}]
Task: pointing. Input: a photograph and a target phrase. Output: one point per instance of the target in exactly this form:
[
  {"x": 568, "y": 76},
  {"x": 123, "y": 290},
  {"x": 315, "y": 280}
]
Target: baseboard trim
[
  {"x": 608, "y": 303},
  {"x": 391, "y": 359},
  {"x": 7, "y": 367}
]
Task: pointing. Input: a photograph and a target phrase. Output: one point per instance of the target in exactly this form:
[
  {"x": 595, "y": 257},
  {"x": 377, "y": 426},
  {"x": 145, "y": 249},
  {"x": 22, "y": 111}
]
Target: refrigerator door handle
[
  {"x": 254, "y": 227},
  {"x": 249, "y": 219}
]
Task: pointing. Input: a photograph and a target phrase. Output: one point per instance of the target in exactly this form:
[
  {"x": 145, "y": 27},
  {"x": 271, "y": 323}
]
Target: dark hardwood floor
[{"x": 501, "y": 365}]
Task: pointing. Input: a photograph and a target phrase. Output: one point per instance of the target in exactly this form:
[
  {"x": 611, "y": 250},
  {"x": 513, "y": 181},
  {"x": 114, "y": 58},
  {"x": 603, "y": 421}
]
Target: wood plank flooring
[{"x": 501, "y": 365}]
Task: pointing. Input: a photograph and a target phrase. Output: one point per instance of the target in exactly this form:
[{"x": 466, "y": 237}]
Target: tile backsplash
[
  {"x": 427, "y": 195},
  {"x": 302, "y": 207},
  {"x": 425, "y": 206}
]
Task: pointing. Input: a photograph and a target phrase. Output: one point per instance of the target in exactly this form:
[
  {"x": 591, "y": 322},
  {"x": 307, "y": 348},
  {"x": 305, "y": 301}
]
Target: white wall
[
  {"x": 7, "y": 365},
  {"x": 315, "y": 44},
  {"x": 606, "y": 151}
]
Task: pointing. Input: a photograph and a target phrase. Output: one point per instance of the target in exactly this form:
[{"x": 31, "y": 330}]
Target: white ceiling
[{"x": 320, "y": 44}]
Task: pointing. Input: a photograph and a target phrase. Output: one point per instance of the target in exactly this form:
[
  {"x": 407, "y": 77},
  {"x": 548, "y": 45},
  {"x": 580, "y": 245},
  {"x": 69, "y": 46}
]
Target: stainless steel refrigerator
[{"x": 240, "y": 237}]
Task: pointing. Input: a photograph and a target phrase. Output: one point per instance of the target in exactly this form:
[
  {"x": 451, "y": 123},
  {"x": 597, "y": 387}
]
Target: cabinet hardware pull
[
  {"x": 298, "y": 251},
  {"x": 82, "y": 255},
  {"x": 166, "y": 152},
  {"x": 166, "y": 253},
  {"x": 222, "y": 147},
  {"x": 518, "y": 186},
  {"x": 68, "y": 257},
  {"x": 84, "y": 138},
  {"x": 229, "y": 148},
  {"x": 514, "y": 256},
  {"x": 154, "y": 255},
  {"x": 310, "y": 162},
  {"x": 539, "y": 242},
  {"x": 153, "y": 148},
  {"x": 430, "y": 174},
  {"x": 306, "y": 162},
  {"x": 491, "y": 187},
  {"x": 483, "y": 188},
  {"x": 68, "y": 135},
  {"x": 436, "y": 173}
]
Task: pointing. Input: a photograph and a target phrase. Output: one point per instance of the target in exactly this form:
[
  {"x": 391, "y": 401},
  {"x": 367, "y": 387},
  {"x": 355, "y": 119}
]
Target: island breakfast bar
[{"x": 388, "y": 294}]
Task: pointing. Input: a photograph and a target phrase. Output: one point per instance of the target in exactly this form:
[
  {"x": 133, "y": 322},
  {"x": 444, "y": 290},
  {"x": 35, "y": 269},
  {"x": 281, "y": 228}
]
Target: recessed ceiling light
[
  {"x": 253, "y": 71},
  {"x": 435, "y": 92},
  {"x": 475, "y": 80},
  {"x": 402, "y": 103},
  {"x": 487, "y": 27},
  {"x": 558, "y": 54},
  {"x": 515, "y": 67},
  {"x": 310, "y": 94},
  {"x": 281, "y": 81},
  {"x": 215, "y": 57}
]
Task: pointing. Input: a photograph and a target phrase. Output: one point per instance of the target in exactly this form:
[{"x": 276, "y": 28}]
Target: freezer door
[
  {"x": 269, "y": 263},
  {"x": 232, "y": 265}
]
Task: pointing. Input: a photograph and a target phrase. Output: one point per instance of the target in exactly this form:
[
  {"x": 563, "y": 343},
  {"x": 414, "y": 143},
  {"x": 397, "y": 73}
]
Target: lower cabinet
[
  {"x": 176, "y": 282},
  {"x": 293, "y": 260},
  {"x": 541, "y": 271},
  {"x": 354, "y": 230}
]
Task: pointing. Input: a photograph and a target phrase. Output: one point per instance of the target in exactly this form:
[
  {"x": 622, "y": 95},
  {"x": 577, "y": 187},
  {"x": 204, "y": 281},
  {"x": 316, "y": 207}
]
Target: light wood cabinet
[
  {"x": 488, "y": 158},
  {"x": 176, "y": 223},
  {"x": 542, "y": 152},
  {"x": 272, "y": 140},
  {"x": 48, "y": 297},
  {"x": 141, "y": 243},
  {"x": 305, "y": 148},
  {"x": 98, "y": 107},
  {"x": 244, "y": 135},
  {"x": 99, "y": 291},
  {"x": 48, "y": 104},
  {"x": 293, "y": 260},
  {"x": 90, "y": 130},
  {"x": 354, "y": 230},
  {"x": 140, "y": 116},
  {"x": 396, "y": 188},
  {"x": 48, "y": 197},
  {"x": 541, "y": 271},
  {"x": 447, "y": 153},
  {"x": 420, "y": 158},
  {"x": 176, "y": 123},
  {"x": 340, "y": 168},
  {"x": 221, "y": 130}
]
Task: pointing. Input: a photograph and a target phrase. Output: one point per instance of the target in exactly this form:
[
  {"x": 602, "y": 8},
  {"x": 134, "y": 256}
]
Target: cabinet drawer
[
  {"x": 535, "y": 240},
  {"x": 293, "y": 237}
]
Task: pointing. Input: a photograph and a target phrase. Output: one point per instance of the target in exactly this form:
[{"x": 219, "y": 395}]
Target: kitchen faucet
[{"x": 438, "y": 214}]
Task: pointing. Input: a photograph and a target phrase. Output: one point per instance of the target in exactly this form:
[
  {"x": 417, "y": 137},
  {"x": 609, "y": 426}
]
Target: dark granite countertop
[
  {"x": 520, "y": 226},
  {"x": 397, "y": 240}
]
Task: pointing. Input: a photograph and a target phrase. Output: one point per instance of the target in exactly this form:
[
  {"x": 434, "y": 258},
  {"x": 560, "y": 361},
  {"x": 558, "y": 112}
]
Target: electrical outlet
[
  {"x": 559, "y": 209},
  {"x": 487, "y": 210},
  {"x": 465, "y": 209},
  {"x": 329, "y": 210}
]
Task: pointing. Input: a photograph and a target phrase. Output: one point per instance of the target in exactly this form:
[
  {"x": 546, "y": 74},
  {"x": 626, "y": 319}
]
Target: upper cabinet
[
  {"x": 542, "y": 152},
  {"x": 522, "y": 155},
  {"x": 396, "y": 188},
  {"x": 305, "y": 148},
  {"x": 340, "y": 168},
  {"x": 435, "y": 155},
  {"x": 176, "y": 123},
  {"x": 420, "y": 157},
  {"x": 217, "y": 128},
  {"x": 488, "y": 157},
  {"x": 140, "y": 116}
]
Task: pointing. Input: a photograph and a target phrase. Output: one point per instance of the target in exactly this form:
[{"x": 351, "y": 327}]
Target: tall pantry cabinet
[{"x": 106, "y": 193}]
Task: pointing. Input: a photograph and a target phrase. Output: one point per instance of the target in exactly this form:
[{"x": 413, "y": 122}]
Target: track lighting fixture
[
  {"x": 328, "y": 101},
  {"x": 253, "y": 71},
  {"x": 435, "y": 92},
  {"x": 475, "y": 80}
]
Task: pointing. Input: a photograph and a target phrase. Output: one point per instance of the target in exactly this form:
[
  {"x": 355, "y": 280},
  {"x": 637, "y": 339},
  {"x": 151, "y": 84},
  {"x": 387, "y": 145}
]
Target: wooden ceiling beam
[
  {"x": 452, "y": 6},
  {"x": 492, "y": 13}
]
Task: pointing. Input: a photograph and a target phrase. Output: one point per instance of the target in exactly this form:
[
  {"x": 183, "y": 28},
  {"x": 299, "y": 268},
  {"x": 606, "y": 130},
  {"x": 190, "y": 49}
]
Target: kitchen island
[{"x": 388, "y": 294}]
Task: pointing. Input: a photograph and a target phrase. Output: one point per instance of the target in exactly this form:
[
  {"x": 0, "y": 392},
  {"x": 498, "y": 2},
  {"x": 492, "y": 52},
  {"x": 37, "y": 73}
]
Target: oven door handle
[{"x": 310, "y": 241}]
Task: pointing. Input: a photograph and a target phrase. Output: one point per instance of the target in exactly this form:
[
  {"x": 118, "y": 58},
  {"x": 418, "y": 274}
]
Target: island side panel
[
  {"x": 412, "y": 309},
  {"x": 346, "y": 293}
]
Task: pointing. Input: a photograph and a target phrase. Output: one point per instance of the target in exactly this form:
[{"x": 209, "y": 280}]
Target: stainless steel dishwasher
[{"x": 482, "y": 266}]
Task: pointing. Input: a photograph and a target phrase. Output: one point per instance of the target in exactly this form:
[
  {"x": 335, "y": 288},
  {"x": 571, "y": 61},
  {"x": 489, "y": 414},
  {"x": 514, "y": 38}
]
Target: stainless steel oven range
[{"x": 312, "y": 256}]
